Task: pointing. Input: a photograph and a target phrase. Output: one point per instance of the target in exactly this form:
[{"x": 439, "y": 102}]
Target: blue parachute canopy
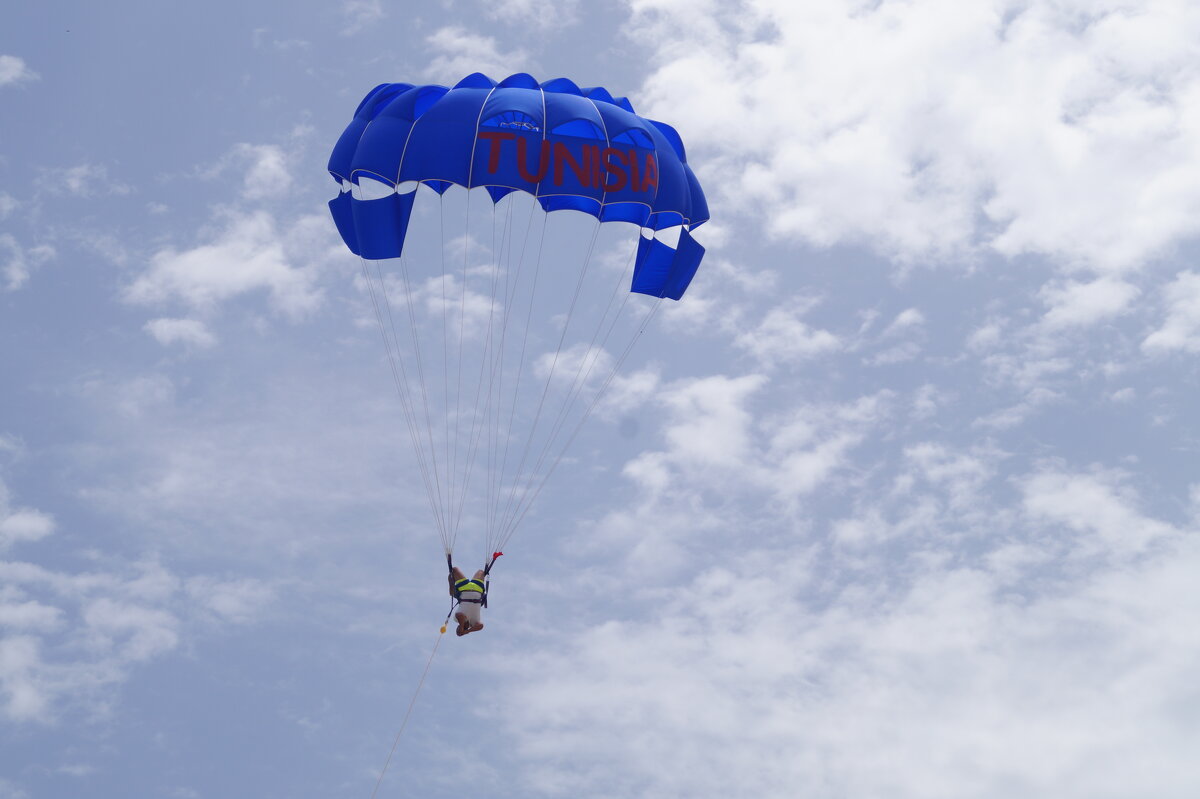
[{"x": 571, "y": 148}]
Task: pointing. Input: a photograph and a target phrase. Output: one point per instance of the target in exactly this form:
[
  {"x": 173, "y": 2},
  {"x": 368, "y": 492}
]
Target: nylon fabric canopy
[
  {"x": 571, "y": 148},
  {"x": 506, "y": 317}
]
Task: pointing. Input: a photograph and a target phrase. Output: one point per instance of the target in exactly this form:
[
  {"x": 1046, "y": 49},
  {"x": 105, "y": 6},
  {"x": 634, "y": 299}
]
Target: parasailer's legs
[
  {"x": 455, "y": 575},
  {"x": 466, "y": 624},
  {"x": 468, "y": 619}
]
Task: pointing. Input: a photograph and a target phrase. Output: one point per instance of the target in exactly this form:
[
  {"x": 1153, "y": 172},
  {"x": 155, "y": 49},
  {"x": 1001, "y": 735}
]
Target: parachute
[{"x": 504, "y": 322}]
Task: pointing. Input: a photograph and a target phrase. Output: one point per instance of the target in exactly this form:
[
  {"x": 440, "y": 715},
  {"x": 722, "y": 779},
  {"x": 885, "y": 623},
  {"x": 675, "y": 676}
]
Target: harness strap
[{"x": 487, "y": 569}]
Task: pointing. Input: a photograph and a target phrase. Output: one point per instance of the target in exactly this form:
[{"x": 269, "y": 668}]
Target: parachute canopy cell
[{"x": 572, "y": 148}]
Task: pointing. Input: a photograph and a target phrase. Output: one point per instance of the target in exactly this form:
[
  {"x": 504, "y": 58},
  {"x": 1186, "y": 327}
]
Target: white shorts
[{"x": 470, "y": 609}]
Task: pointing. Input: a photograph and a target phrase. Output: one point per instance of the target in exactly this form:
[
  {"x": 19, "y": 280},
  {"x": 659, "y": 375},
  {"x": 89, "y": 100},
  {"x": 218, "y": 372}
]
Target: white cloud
[
  {"x": 781, "y": 337},
  {"x": 267, "y": 174},
  {"x": 944, "y": 688},
  {"x": 189, "y": 332},
  {"x": 1063, "y": 129},
  {"x": 577, "y": 368},
  {"x": 960, "y": 476},
  {"x": 134, "y": 397},
  {"x": 709, "y": 440},
  {"x": 260, "y": 37},
  {"x": 8, "y": 204},
  {"x": 361, "y": 14},
  {"x": 927, "y": 400},
  {"x": 14, "y": 71},
  {"x": 22, "y": 686},
  {"x": 1028, "y": 371},
  {"x": 628, "y": 391},
  {"x": 21, "y": 524},
  {"x": 714, "y": 444},
  {"x": 1093, "y": 505},
  {"x": 905, "y": 320},
  {"x": 238, "y": 601},
  {"x": 458, "y": 53},
  {"x": 985, "y": 337},
  {"x": 711, "y": 423},
  {"x": 9, "y": 790},
  {"x": 908, "y": 325},
  {"x": 265, "y": 170},
  {"x": 1124, "y": 396},
  {"x": 1041, "y": 358},
  {"x": 895, "y": 354},
  {"x": 812, "y": 443},
  {"x": 940, "y": 649},
  {"x": 84, "y": 180},
  {"x": 1075, "y": 304},
  {"x": 1181, "y": 329},
  {"x": 68, "y": 639},
  {"x": 29, "y": 615},
  {"x": 17, "y": 263},
  {"x": 465, "y": 309},
  {"x": 140, "y": 631},
  {"x": 75, "y": 633},
  {"x": 1034, "y": 397},
  {"x": 540, "y": 14},
  {"x": 249, "y": 254}
]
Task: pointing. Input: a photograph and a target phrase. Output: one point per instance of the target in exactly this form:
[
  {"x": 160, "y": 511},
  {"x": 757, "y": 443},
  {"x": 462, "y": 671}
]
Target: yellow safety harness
[
  {"x": 470, "y": 585},
  {"x": 464, "y": 586}
]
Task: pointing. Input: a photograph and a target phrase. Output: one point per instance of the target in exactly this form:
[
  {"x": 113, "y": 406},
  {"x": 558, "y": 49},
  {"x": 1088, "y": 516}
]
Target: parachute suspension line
[
  {"x": 429, "y": 470},
  {"x": 445, "y": 356},
  {"x": 526, "y": 502},
  {"x": 462, "y": 317},
  {"x": 496, "y": 358},
  {"x": 477, "y": 426},
  {"x": 581, "y": 377},
  {"x": 412, "y": 321},
  {"x": 550, "y": 377},
  {"x": 435, "y": 491},
  {"x": 503, "y": 433},
  {"x": 593, "y": 352},
  {"x": 489, "y": 427},
  {"x": 480, "y": 425},
  {"x": 400, "y": 378},
  {"x": 412, "y": 702},
  {"x": 507, "y": 243},
  {"x": 524, "y": 343},
  {"x": 466, "y": 244},
  {"x": 401, "y": 386},
  {"x": 600, "y": 395}
]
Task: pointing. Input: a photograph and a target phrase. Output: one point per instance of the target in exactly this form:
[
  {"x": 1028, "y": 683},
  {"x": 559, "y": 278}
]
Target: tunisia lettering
[{"x": 607, "y": 167}]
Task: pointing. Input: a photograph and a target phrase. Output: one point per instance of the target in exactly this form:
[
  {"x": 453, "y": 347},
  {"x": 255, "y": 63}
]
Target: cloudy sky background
[{"x": 904, "y": 501}]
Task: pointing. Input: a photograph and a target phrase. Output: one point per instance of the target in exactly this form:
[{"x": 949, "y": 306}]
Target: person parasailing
[
  {"x": 469, "y": 595},
  {"x": 496, "y": 383}
]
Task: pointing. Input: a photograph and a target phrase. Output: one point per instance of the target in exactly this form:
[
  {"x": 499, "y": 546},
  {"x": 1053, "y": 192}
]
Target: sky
[{"x": 901, "y": 500}]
